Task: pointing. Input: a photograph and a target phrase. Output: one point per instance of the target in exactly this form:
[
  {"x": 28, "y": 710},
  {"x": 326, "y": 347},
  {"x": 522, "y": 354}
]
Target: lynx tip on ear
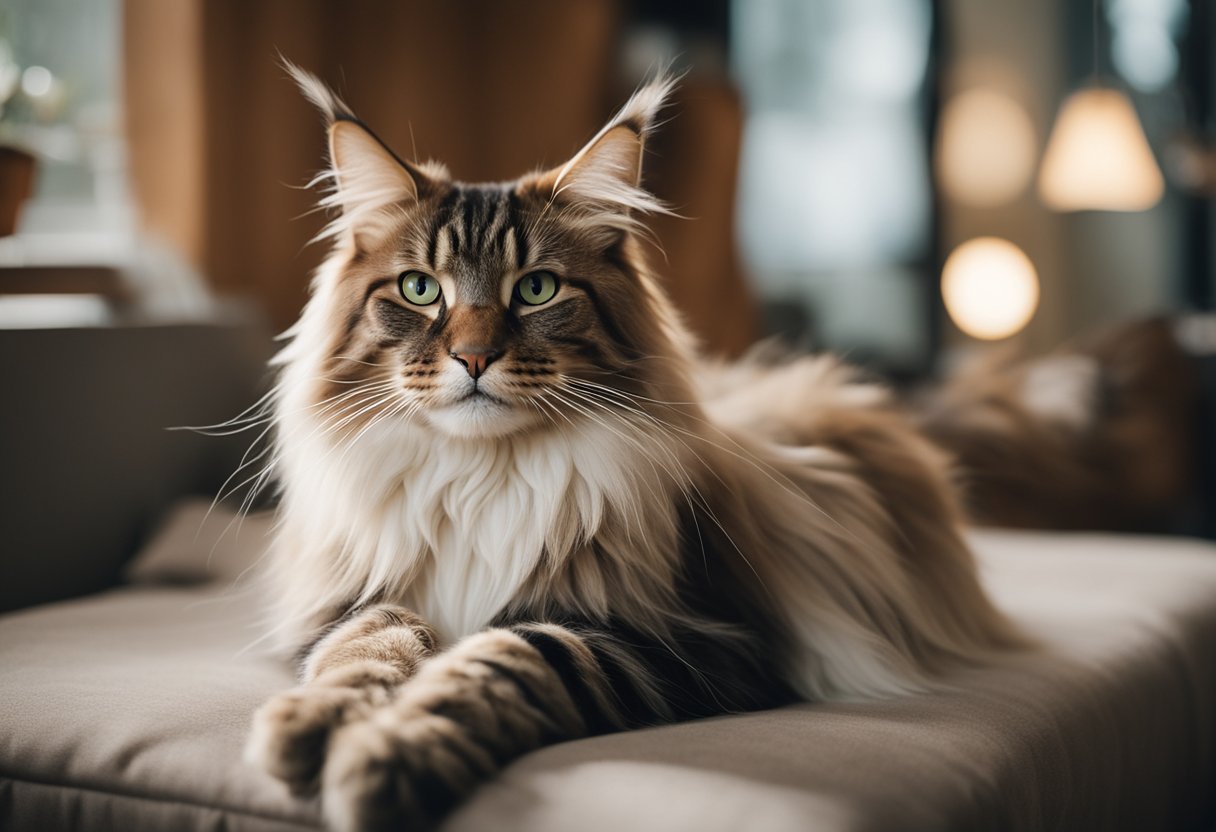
[{"x": 330, "y": 105}]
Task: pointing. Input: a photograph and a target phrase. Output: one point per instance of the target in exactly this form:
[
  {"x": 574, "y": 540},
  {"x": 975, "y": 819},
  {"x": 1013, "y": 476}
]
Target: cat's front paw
[
  {"x": 400, "y": 770},
  {"x": 291, "y": 731}
]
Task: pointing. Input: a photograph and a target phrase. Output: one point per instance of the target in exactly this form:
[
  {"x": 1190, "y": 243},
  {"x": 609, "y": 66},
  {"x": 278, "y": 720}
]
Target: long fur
[
  {"x": 764, "y": 526},
  {"x": 456, "y": 529}
]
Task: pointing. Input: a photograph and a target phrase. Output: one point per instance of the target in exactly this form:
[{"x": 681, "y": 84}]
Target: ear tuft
[
  {"x": 613, "y": 158},
  {"x": 331, "y": 107},
  {"x": 605, "y": 176},
  {"x": 366, "y": 177},
  {"x": 642, "y": 108}
]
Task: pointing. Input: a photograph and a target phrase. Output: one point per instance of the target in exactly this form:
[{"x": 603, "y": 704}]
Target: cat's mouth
[
  {"x": 479, "y": 393},
  {"x": 478, "y": 413}
]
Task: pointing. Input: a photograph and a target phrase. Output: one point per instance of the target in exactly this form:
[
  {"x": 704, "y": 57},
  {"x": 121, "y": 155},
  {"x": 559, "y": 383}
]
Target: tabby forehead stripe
[
  {"x": 477, "y": 223},
  {"x": 489, "y": 224},
  {"x": 490, "y": 229},
  {"x": 511, "y": 247},
  {"x": 443, "y": 212},
  {"x": 470, "y": 209},
  {"x": 519, "y": 235},
  {"x": 503, "y": 227},
  {"x": 432, "y": 246}
]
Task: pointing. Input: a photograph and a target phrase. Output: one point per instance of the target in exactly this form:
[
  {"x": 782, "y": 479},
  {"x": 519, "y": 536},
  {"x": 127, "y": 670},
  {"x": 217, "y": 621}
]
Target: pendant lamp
[{"x": 1098, "y": 158}]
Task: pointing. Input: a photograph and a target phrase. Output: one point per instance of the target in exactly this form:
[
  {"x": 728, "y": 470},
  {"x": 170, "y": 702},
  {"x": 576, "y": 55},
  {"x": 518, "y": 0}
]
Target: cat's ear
[
  {"x": 366, "y": 177},
  {"x": 605, "y": 176}
]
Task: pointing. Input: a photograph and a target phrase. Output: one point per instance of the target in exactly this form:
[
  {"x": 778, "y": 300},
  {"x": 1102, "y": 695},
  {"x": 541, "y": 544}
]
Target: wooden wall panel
[
  {"x": 694, "y": 162},
  {"x": 163, "y": 114},
  {"x": 222, "y": 142},
  {"x": 264, "y": 144}
]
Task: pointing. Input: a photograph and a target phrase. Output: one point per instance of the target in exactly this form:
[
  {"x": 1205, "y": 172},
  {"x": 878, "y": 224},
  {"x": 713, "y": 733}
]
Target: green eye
[
  {"x": 420, "y": 289},
  {"x": 536, "y": 288}
]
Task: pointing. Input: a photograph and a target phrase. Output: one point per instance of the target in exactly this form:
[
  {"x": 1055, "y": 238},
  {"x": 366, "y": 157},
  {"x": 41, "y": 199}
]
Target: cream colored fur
[
  {"x": 584, "y": 510},
  {"x": 458, "y": 530}
]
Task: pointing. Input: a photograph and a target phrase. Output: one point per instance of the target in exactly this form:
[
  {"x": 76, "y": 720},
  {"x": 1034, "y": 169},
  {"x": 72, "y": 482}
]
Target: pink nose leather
[{"x": 474, "y": 360}]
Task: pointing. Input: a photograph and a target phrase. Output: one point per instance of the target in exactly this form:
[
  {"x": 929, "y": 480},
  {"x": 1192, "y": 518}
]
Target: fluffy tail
[
  {"x": 850, "y": 526},
  {"x": 1100, "y": 434}
]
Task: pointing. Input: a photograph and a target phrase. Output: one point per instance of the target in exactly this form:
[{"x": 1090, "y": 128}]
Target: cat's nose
[{"x": 475, "y": 359}]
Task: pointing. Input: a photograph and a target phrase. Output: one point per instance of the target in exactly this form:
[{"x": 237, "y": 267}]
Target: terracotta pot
[{"x": 16, "y": 185}]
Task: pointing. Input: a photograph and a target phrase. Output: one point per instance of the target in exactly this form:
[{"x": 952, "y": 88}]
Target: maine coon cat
[{"x": 516, "y": 508}]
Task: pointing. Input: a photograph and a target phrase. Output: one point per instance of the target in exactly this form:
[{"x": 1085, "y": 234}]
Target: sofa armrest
[{"x": 87, "y": 464}]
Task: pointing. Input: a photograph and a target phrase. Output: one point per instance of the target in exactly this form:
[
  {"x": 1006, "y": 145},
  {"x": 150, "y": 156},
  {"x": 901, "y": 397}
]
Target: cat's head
[{"x": 483, "y": 310}]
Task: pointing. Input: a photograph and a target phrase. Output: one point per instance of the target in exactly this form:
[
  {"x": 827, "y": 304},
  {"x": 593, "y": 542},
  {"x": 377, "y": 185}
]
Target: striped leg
[
  {"x": 500, "y": 694},
  {"x": 348, "y": 673}
]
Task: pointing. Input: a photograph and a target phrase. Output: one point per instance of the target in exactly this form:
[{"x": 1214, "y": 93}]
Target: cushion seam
[{"x": 194, "y": 804}]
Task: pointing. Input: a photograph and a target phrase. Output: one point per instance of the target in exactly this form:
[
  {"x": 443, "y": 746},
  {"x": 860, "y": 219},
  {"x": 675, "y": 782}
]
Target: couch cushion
[
  {"x": 88, "y": 462},
  {"x": 127, "y": 711},
  {"x": 202, "y": 541}
]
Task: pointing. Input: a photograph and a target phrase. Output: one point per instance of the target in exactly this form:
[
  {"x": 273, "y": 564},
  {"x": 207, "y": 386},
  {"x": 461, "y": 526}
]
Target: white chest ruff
[
  {"x": 477, "y": 525},
  {"x": 453, "y": 529}
]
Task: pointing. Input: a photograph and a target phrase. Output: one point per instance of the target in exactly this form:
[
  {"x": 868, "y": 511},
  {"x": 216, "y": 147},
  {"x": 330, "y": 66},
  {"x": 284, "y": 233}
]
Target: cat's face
[{"x": 486, "y": 310}]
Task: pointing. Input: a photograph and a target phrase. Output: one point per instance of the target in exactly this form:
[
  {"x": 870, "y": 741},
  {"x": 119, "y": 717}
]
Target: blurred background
[
  {"x": 830, "y": 155},
  {"x": 903, "y": 181}
]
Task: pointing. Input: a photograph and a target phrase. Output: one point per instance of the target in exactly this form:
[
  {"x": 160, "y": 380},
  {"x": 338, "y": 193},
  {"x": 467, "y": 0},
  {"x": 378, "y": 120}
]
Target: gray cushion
[
  {"x": 88, "y": 462},
  {"x": 127, "y": 711}
]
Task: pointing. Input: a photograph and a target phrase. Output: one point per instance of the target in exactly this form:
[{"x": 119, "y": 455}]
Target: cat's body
[{"x": 598, "y": 532}]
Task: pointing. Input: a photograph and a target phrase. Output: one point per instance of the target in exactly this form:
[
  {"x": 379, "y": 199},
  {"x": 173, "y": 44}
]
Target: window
[
  {"x": 59, "y": 80},
  {"x": 835, "y": 196}
]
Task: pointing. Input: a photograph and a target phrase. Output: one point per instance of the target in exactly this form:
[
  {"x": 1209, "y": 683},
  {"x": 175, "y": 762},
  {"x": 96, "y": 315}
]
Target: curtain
[{"x": 221, "y": 143}]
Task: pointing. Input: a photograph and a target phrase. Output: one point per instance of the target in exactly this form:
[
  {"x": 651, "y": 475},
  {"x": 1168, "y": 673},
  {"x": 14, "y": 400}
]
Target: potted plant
[{"x": 16, "y": 164}]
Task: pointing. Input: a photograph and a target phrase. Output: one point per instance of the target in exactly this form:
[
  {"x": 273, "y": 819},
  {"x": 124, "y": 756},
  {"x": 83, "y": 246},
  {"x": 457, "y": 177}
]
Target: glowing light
[
  {"x": 1098, "y": 158},
  {"x": 990, "y": 288},
  {"x": 986, "y": 149},
  {"x": 37, "y": 81}
]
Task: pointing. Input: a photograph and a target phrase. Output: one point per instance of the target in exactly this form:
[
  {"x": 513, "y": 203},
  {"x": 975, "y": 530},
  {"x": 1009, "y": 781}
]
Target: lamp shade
[{"x": 1098, "y": 157}]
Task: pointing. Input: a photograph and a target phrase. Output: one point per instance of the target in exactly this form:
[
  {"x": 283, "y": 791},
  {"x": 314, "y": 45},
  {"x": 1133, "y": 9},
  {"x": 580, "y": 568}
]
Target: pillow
[{"x": 196, "y": 544}]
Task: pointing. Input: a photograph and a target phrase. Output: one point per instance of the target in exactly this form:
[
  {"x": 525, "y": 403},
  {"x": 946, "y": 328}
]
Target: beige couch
[{"x": 126, "y": 710}]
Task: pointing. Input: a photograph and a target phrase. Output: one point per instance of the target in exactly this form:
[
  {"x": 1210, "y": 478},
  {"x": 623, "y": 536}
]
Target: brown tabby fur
[{"x": 505, "y": 524}]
